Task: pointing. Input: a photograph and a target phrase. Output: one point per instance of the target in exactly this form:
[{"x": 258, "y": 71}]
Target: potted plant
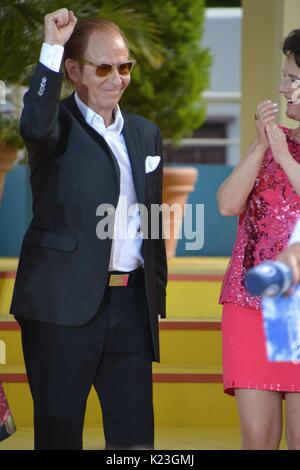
[
  {"x": 10, "y": 143},
  {"x": 171, "y": 94}
]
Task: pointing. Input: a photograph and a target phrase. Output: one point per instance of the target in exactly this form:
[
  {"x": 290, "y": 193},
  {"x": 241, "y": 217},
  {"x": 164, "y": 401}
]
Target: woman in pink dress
[
  {"x": 264, "y": 190},
  {"x": 7, "y": 426}
]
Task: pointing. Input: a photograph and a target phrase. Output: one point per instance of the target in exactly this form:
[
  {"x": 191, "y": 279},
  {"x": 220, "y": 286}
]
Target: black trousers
[{"x": 114, "y": 353}]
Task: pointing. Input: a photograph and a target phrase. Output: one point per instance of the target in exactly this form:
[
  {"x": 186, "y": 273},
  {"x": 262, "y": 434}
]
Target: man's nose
[{"x": 115, "y": 76}]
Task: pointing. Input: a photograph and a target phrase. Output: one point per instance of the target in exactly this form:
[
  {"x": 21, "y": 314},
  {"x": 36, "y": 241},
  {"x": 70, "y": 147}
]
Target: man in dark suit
[{"x": 88, "y": 300}]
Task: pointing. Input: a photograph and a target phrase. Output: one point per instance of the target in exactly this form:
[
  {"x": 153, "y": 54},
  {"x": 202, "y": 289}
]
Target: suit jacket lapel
[
  {"x": 134, "y": 141},
  {"x": 72, "y": 106}
]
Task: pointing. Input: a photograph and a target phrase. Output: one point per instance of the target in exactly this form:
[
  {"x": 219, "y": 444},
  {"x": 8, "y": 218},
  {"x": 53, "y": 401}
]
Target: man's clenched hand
[{"x": 59, "y": 26}]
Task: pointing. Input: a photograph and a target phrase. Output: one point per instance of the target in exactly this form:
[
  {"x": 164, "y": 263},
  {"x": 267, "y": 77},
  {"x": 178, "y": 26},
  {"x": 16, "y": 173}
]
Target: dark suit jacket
[{"x": 63, "y": 265}]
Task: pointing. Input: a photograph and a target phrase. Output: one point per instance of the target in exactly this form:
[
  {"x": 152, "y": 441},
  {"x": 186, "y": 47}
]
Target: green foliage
[
  {"x": 165, "y": 37},
  {"x": 140, "y": 29},
  {"x": 21, "y": 33},
  {"x": 171, "y": 94},
  {"x": 9, "y": 131}
]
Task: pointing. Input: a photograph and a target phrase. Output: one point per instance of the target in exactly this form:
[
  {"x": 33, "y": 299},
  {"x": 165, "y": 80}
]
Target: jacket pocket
[{"x": 52, "y": 240}]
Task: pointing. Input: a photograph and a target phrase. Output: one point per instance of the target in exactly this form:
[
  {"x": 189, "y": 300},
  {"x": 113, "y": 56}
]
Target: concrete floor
[{"x": 166, "y": 439}]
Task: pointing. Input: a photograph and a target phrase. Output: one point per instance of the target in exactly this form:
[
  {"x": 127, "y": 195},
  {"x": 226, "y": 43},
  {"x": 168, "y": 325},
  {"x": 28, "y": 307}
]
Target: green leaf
[{"x": 165, "y": 37}]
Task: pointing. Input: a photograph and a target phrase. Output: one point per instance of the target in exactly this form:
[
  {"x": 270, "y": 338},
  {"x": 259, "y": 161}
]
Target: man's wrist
[
  {"x": 52, "y": 42},
  {"x": 51, "y": 56}
]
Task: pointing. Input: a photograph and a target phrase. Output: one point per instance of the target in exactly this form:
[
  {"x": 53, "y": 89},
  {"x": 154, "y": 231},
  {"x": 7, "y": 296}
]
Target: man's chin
[{"x": 111, "y": 104}]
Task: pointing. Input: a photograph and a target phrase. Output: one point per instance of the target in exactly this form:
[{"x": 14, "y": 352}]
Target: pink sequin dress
[
  {"x": 7, "y": 425},
  {"x": 264, "y": 229}
]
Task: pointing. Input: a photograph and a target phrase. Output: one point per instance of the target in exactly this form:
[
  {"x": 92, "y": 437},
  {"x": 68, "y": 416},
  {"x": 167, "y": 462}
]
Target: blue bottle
[{"x": 269, "y": 278}]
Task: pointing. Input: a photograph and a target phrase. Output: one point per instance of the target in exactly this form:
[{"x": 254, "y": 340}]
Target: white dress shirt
[{"x": 127, "y": 241}]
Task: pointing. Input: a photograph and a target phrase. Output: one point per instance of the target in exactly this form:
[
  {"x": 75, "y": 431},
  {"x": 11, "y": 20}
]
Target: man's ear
[{"x": 73, "y": 70}]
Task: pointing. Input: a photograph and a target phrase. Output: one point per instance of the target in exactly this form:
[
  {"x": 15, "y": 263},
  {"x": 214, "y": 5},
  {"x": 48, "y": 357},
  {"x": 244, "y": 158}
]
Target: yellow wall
[{"x": 265, "y": 25}]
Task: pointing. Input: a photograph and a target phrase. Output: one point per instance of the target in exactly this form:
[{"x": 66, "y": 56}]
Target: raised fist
[{"x": 59, "y": 26}]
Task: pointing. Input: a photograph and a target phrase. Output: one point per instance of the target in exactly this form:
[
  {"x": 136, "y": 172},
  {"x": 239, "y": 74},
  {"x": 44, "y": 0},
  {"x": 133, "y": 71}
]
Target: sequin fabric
[
  {"x": 264, "y": 228},
  {"x": 7, "y": 425}
]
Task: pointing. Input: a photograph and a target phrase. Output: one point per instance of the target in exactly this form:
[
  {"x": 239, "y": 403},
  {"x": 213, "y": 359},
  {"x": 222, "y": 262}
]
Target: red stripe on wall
[
  {"x": 7, "y": 274},
  {"x": 9, "y": 326},
  {"x": 13, "y": 378},
  {"x": 157, "y": 378},
  {"x": 187, "y": 378},
  {"x": 189, "y": 325},
  {"x": 163, "y": 326}
]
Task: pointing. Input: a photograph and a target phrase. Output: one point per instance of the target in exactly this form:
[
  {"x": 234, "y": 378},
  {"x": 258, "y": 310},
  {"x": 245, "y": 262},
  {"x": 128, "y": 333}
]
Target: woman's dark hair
[
  {"x": 76, "y": 45},
  {"x": 291, "y": 46}
]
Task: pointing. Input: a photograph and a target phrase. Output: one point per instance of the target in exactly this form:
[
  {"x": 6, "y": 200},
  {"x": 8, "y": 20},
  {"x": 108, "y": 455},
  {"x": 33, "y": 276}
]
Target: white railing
[
  {"x": 227, "y": 97},
  {"x": 206, "y": 142},
  {"x": 222, "y": 96}
]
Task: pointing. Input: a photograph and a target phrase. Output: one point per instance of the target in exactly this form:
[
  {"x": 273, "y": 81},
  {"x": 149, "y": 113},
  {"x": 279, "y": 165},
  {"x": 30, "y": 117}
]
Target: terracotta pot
[
  {"x": 8, "y": 157},
  {"x": 178, "y": 183}
]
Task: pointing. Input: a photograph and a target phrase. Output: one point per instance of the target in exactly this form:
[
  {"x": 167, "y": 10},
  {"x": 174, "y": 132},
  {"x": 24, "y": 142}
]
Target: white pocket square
[{"x": 151, "y": 163}]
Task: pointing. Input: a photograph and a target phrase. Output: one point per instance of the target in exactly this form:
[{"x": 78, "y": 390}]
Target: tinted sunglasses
[{"x": 104, "y": 70}]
